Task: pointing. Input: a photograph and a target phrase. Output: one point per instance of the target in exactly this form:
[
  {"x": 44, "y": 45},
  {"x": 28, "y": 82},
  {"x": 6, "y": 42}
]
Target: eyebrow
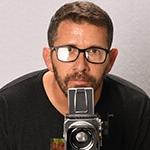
[{"x": 73, "y": 45}]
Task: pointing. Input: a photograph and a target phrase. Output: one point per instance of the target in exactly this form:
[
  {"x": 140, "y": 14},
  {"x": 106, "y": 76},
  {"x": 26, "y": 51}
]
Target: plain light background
[{"x": 23, "y": 34}]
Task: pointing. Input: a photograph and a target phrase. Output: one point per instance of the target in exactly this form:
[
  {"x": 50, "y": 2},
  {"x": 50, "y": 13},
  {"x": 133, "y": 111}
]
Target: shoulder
[
  {"x": 22, "y": 85},
  {"x": 124, "y": 94},
  {"x": 119, "y": 85},
  {"x": 19, "y": 96},
  {"x": 25, "y": 79},
  {"x": 125, "y": 98}
]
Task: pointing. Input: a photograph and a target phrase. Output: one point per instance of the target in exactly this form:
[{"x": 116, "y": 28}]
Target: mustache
[{"x": 80, "y": 76}]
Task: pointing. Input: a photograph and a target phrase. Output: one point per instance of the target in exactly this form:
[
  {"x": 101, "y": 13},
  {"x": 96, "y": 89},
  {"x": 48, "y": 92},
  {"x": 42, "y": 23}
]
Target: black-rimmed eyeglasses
[{"x": 70, "y": 53}]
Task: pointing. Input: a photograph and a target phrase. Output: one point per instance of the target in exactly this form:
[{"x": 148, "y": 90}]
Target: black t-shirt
[{"x": 28, "y": 121}]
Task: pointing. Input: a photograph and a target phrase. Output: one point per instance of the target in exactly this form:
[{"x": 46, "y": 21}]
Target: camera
[{"x": 82, "y": 128}]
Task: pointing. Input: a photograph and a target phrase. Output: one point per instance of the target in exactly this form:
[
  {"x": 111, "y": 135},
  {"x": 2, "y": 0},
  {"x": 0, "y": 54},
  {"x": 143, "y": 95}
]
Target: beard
[{"x": 77, "y": 76}]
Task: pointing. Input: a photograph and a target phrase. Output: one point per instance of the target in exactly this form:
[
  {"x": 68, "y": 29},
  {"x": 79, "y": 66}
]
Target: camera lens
[{"x": 81, "y": 138}]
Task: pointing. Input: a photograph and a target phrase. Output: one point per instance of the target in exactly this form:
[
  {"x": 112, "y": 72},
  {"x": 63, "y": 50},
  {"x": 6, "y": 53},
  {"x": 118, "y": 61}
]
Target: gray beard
[{"x": 63, "y": 83}]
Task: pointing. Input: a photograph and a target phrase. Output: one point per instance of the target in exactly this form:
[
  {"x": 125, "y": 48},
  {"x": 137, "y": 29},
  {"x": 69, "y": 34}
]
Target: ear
[
  {"x": 112, "y": 57},
  {"x": 47, "y": 58}
]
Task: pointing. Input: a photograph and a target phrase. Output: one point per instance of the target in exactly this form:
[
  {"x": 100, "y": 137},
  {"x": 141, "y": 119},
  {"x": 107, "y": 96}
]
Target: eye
[
  {"x": 70, "y": 49},
  {"x": 94, "y": 51}
]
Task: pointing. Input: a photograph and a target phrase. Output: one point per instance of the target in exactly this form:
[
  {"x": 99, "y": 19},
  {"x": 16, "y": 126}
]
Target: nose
[{"x": 81, "y": 64}]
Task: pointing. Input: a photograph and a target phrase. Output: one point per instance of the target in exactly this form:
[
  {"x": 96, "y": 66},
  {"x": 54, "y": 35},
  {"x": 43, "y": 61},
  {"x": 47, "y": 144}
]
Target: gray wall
[{"x": 23, "y": 27}]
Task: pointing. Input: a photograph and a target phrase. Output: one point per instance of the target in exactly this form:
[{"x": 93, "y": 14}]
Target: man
[{"x": 32, "y": 108}]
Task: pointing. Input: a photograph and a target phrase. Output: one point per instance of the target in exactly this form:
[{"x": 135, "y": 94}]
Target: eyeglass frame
[{"x": 55, "y": 48}]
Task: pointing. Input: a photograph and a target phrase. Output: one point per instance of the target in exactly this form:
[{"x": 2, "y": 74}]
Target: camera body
[{"x": 82, "y": 128}]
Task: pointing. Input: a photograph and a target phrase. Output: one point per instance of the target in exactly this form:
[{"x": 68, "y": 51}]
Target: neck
[
  {"x": 98, "y": 93},
  {"x": 57, "y": 98}
]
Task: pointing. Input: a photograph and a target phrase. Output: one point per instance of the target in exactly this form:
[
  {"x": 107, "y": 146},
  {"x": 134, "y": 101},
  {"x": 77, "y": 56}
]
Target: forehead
[{"x": 82, "y": 33}]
